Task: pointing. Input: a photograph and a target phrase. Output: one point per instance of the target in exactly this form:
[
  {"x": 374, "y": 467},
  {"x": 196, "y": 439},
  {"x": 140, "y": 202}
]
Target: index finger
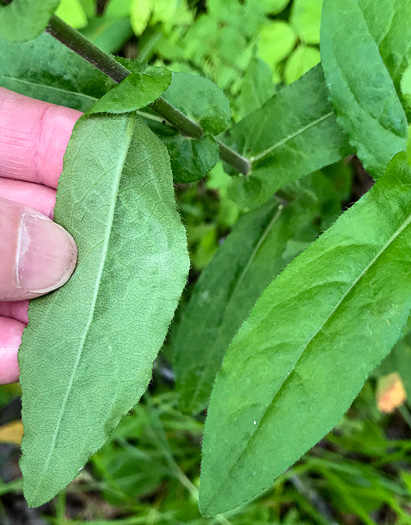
[{"x": 33, "y": 138}]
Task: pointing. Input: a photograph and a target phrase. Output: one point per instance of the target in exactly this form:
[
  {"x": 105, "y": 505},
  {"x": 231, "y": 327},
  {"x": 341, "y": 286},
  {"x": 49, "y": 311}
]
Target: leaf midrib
[
  {"x": 392, "y": 239},
  {"x": 129, "y": 135},
  {"x": 47, "y": 86},
  {"x": 268, "y": 151}
]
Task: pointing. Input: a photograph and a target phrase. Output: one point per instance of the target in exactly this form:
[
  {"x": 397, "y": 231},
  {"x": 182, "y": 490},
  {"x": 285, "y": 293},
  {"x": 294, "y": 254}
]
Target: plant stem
[
  {"x": 241, "y": 164},
  {"x": 117, "y": 72}
]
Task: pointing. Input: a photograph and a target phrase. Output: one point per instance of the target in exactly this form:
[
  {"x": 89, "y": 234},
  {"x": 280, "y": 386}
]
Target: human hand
[{"x": 36, "y": 255}]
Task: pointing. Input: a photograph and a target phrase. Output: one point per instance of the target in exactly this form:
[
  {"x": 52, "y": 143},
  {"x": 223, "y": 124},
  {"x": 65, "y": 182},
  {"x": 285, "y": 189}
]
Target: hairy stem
[
  {"x": 113, "y": 69},
  {"x": 239, "y": 163}
]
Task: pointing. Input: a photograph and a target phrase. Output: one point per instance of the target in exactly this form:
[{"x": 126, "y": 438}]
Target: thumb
[{"x": 36, "y": 255}]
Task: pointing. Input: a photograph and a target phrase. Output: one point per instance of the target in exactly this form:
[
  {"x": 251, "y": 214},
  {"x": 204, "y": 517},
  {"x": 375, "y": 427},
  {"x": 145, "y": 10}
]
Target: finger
[
  {"x": 33, "y": 138},
  {"x": 17, "y": 310},
  {"x": 40, "y": 198},
  {"x": 10, "y": 339},
  {"x": 37, "y": 254}
]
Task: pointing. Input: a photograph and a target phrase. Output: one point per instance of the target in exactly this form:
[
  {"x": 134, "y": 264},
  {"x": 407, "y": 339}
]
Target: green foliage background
[{"x": 149, "y": 471}]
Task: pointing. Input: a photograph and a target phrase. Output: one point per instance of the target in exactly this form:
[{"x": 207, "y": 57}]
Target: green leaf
[
  {"x": 109, "y": 34},
  {"x": 262, "y": 243},
  {"x": 406, "y": 86},
  {"x": 170, "y": 12},
  {"x": 306, "y": 20},
  {"x": 89, "y": 8},
  {"x": 118, "y": 8},
  {"x": 409, "y": 146},
  {"x": 293, "y": 368},
  {"x": 49, "y": 71},
  {"x": 302, "y": 60},
  {"x": 191, "y": 160},
  {"x": 277, "y": 40},
  {"x": 271, "y": 7},
  {"x": 72, "y": 12},
  {"x": 201, "y": 100},
  {"x": 256, "y": 89},
  {"x": 292, "y": 135},
  {"x": 25, "y": 19},
  {"x": 137, "y": 90},
  {"x": 140, "y": 14},
  {"x": 87, "y": 364},
  {"x": 361, "y": 73}
]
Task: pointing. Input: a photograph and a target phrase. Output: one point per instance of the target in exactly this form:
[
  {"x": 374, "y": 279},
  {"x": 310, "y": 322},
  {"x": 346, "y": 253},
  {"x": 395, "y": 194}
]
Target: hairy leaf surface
[
  {"x": 261, "y": 245},
  {"x": 23, "y": 20},
  {"x": 49, "y": 71},
  {"x": 293, "y": 368},
  {"x": 364, "y": 47},
  {"x": 292, "y": 135},
  {"x": 191, "y": 160},
  {"x": 87, "y": 353}
]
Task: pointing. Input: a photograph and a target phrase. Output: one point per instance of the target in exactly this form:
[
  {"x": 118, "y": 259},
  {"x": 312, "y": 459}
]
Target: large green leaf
[
  {"x": 304, "y": 352},
  {"x": 292, "y": 135},
  {"x": 87, "y": 354},
  {"x": 365, "y": 46},
  {"x": 262, "y": 243},
  {"x": 139, "y": 89},
  {"x": 23, "y": 20},
  {"x": 49, "y": 71}
]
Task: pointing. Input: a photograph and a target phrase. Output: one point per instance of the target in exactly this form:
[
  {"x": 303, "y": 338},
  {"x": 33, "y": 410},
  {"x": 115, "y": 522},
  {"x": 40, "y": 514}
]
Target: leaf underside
[{"x": 87, "y": 354}]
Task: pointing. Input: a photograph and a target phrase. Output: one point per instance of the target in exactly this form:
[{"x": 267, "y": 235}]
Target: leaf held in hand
[{"x": 87, "y": 354}]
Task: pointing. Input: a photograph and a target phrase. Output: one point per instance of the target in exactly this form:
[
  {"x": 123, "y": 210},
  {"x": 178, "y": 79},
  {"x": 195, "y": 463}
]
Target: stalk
[{"x": 117, "y": 72}]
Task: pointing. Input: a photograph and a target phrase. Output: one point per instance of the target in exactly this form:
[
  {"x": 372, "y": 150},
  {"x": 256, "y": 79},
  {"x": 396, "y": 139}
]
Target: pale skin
[{"x": 36, "y": 255}]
